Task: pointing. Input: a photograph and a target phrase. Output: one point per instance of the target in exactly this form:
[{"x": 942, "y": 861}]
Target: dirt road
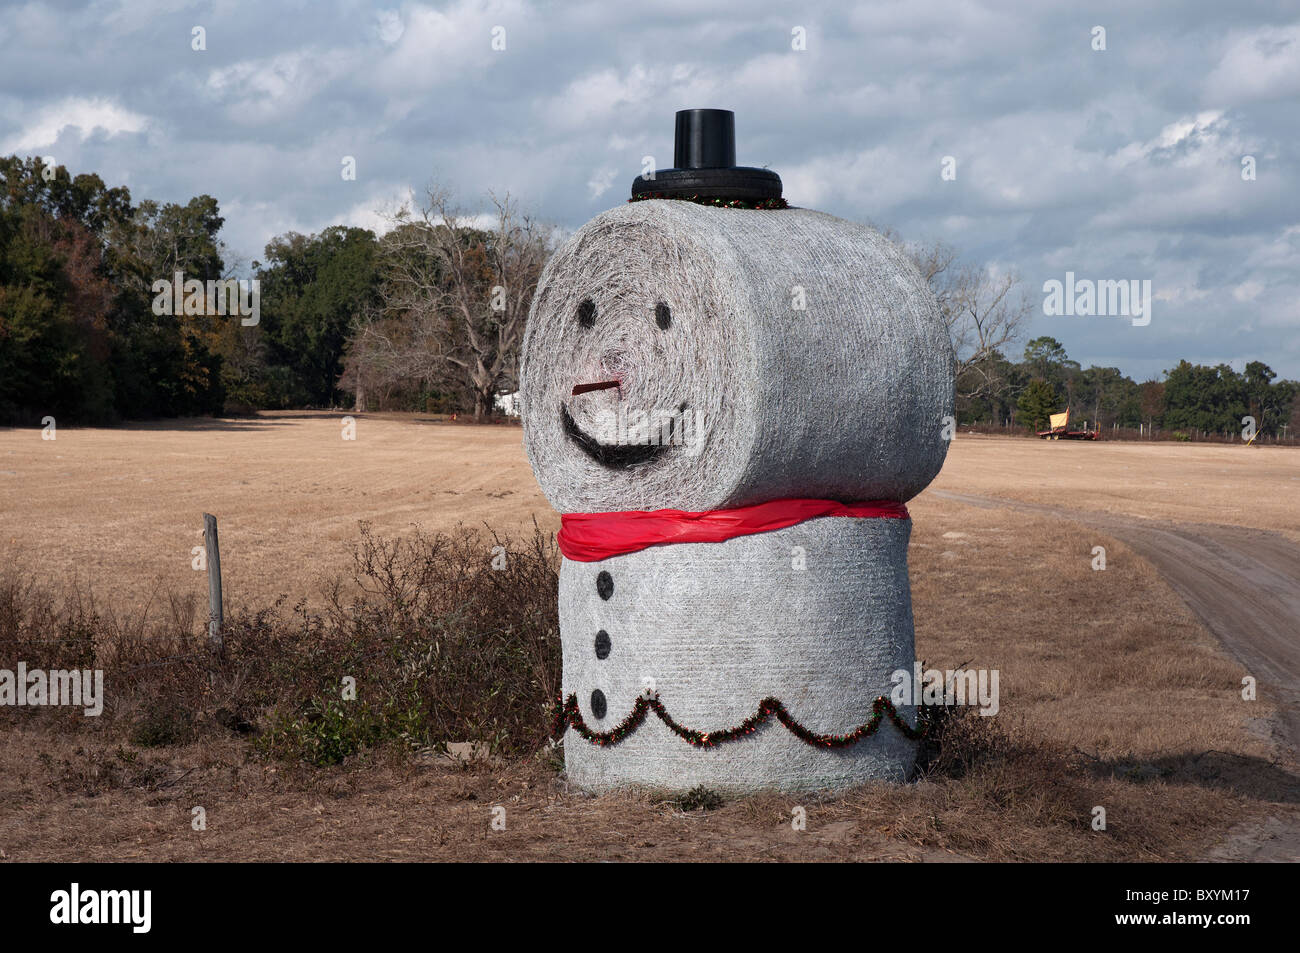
[{"x": 1244, "y": 585}]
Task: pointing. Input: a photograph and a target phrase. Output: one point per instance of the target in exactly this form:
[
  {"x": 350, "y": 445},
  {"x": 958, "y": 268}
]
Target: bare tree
[
  {"x": 984, "y": 312},
  {"x": 455, "y": 298},
  {"x": 378, "y": 357}
]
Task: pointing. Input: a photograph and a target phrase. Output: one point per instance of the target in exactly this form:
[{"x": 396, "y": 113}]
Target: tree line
[
  {"x": 1193, "y": 399},
  {"x": 78, "y": 337},
  {"x": 429, "y": 316},
  {"x": 986, "y": 313}
]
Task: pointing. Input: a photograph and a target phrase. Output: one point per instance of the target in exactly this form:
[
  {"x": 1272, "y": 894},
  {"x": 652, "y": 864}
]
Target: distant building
[{"x": 507, "y": 404}]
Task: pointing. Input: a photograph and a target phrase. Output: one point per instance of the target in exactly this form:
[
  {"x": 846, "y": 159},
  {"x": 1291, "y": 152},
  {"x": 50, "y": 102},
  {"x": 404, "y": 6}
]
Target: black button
[
  {"x": 605, "y": 584},
  {"x": 602, "y": 644},
  {"x": 598, "y": 703}
]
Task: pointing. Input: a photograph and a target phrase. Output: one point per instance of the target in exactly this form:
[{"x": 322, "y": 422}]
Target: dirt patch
[
  {"x": 75, "y": 804},
  {"x": 1244, "y": 585}
]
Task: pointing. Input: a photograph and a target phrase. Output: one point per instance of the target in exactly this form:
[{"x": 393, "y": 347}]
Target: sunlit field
[{"x": 1112, "y": 691}]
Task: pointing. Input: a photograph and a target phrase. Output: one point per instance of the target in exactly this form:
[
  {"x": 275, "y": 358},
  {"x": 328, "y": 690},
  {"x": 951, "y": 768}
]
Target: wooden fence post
[{"x": 215, "y": 615}]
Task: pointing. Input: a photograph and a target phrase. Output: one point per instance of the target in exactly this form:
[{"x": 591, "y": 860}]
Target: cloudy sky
[{"x": 1122, "y": 163}]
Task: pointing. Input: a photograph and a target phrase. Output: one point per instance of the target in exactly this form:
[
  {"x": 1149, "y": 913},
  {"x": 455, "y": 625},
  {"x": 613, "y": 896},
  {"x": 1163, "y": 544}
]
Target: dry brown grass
[
  {"x": 1111, "y": 693},
  {"x": 1089, "y": 657},
  {"x": 122, "y": 508},
  {"x": 1182, "y": 482}
]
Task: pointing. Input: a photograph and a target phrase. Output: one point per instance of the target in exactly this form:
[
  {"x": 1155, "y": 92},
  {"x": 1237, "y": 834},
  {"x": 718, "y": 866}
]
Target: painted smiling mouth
[{"x": 616, "y": 456}]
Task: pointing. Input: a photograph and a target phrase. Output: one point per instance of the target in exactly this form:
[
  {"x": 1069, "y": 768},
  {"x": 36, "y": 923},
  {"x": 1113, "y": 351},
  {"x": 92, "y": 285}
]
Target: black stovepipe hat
[{"x": 704, "y": 163}]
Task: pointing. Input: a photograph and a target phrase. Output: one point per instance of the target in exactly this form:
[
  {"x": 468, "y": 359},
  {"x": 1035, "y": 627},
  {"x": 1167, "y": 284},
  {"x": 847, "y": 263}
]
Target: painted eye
[
  {"x": 587, "y": 313},
  {"x": 663, "y": 317}
]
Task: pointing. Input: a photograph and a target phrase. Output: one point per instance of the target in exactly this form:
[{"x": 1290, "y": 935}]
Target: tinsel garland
[
  {"x": 568, "y": 715},
  {"x": 761, "y": 205}
]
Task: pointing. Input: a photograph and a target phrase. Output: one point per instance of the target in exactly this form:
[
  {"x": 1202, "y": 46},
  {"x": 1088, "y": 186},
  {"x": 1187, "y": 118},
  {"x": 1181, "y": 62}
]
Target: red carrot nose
[{"x": 583, "y": 388}]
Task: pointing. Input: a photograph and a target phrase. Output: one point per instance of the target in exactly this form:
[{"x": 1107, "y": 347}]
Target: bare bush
[
  {"x": 984, "y": 309},
  {"x": 448, "y": 637},
  {"x": 455, "y": 297}
]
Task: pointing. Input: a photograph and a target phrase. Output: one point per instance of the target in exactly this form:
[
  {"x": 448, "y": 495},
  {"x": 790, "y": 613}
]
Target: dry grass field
[
  {"x": 121, "y": 509},
  {"x": 1113, "y": 693},
  {"x": 1184, "y": 482}
]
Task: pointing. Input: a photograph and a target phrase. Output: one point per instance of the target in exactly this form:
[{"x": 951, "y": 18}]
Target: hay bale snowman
[{"x": 730, "y": 401}]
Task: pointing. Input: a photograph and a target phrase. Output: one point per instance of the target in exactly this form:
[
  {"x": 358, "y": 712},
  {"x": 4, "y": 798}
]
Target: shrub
[
  {"x": 439, "y": 645},
  {"x": 699, "y": 798},
  {"x": 162, "y": 724}
]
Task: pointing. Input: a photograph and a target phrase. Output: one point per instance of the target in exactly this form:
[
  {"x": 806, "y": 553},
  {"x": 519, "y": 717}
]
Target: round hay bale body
[
  {"x": 679, "y": 356},
  {"x": 721, "y": 626},
  {"x": 803, "y": 356}
]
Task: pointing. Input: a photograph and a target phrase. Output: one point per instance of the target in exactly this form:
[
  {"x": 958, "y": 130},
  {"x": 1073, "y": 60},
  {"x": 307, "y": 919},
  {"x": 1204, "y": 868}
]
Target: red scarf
[{"x": 591, "y": 537}]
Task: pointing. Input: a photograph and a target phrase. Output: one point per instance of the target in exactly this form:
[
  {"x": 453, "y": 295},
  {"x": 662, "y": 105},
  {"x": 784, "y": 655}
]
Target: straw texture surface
[
  {"x": 724, "y": 358},
  {"x": 841, "y": 400},
  {"x": 721, "y": 626}
]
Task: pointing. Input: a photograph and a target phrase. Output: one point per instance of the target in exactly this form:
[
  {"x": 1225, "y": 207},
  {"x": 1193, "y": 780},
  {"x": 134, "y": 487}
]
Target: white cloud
[
  {"x": 1247, "y": 290},
  {"x": 373, "y": 212},
  {"x": 1178, "y": 294},
  {"x": 1281, "y": 253},
  {"x": 85, "y": 116},
  {"x": 1118, "y": 164},
  {"x": 782, "y": 75},
  {"x": 389, "y": 26},
  {"x": 1197, "y": 133},
  {"x": 594, "y": 96},
  {"x": 601, "y": 181},
  {"x": 1258, "y": 65},
  {"x": 640, "y": 94},
  {"x": 878, "y": 178},
  {"x": 437, "y": 47},
  {"x": 260, "y": 90}
]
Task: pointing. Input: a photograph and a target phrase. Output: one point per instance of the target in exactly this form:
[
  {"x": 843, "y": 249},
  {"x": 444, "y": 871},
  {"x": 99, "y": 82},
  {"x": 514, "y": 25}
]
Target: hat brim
[{"x": 737, "y": 182}]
